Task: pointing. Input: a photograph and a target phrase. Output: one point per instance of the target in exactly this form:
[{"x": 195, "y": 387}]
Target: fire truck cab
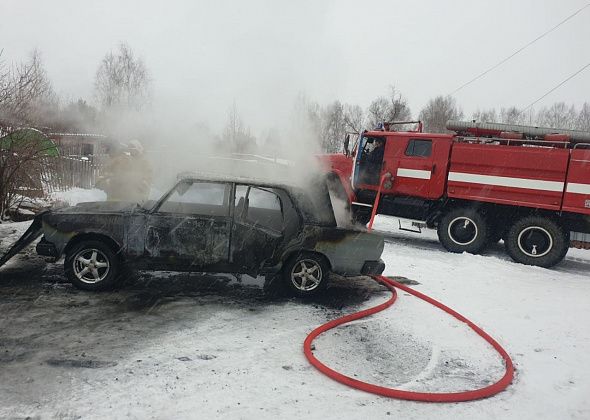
[{"x": 416, "y": 163}]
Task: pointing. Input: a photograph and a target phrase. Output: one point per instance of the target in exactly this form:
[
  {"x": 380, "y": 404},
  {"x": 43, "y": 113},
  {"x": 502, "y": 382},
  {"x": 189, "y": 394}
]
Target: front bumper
[{"x": 374, "y": 268}]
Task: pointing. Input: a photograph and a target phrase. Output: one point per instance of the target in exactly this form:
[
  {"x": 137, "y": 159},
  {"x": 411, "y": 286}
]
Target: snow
[
  {"x": 78, "y": 195},
  {"x": 188, "y": 346}
]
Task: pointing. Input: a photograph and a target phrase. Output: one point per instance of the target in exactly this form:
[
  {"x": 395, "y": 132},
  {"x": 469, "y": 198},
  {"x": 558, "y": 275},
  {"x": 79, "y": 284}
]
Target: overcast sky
[{"x": 204, "y": 55}]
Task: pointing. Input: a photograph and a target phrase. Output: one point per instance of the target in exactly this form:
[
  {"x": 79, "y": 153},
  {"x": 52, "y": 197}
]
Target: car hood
[{"x": 99, "y": 207}]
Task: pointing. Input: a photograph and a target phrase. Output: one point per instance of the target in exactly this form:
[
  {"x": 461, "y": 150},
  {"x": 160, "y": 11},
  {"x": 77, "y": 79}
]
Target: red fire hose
[{"x": 398, "y": 393}]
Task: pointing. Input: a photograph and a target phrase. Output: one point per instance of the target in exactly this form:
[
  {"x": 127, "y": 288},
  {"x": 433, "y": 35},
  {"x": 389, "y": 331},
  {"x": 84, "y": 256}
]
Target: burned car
[{"x": 209, "y": 224}]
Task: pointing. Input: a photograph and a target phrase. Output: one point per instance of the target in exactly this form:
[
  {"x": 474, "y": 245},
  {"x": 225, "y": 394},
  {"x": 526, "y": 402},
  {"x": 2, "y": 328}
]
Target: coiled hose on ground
[{"x": 398, "y": 393}]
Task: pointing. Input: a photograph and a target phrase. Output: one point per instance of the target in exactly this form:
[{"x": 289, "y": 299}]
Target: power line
[
  {"x": 495, "y": 66},
  {"x": 556, "y": 87}
]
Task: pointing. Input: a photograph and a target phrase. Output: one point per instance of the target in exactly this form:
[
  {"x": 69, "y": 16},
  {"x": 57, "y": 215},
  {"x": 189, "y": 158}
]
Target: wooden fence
[{"x": 65, "y": 172}]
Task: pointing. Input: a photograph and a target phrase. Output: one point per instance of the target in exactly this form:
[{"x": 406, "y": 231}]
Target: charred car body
[{"x": 208, "y": 224}]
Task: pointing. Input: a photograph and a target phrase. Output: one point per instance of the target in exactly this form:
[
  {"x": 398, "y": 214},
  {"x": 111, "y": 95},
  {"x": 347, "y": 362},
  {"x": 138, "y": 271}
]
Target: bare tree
[
  {"x": 122, "y": 80},
  {"x": 558, "y": 115},
  {"x": 306, "y": 123},
  {"x": 26, "y": 95},
  {"x": 485, "y": 115},
  {"x": 272, "y": 144},
  {"x": 438, "y": 111},
  {"x": 235, "y": 134},
  {"x": 26, "y": 98},
  {"x": 378, "y": 111},
  {"x": 391, "y": 108},
  {"x": 512, "y": 115},
  {"x": 4, "y": 81},
  {"x": 333, "y": 127},
  {"x": 583, "y": 118},
  {"x": 353, "y": 118},
  {"x": 78, "y": 115},
  {"x": 21, "y": 165}
]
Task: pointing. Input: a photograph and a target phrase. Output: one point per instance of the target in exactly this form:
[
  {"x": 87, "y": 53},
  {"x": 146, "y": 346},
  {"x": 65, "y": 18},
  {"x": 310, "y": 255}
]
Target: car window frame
[
  {"x": 229, "y": 187},
  {"x": 249, "y": 222}
]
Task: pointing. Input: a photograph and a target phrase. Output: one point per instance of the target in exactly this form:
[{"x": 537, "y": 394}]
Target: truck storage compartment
[
  {"x": 577, "y": 193},
  {"x": 515, "y": 175}
]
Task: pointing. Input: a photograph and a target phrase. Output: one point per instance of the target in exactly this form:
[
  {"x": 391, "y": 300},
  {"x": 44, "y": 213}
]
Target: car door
[
  {"x": 190, "y": 228},
  {"x": 413, "y": 171},
  {"x": 258, "y": 227}
]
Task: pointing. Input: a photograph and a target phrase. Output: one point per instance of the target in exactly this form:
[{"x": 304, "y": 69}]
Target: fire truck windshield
[{"x": 368, "y": 145}]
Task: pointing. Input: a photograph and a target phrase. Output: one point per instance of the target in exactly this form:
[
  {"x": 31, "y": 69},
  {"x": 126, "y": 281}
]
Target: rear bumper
[
  {"x": 373, "y": 267},
  {"x": 46, "y": 249}
]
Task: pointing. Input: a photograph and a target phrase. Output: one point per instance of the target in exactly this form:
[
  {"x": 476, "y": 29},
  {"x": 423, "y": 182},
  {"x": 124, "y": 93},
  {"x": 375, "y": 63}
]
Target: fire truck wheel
[
  {"x": 463, "y": 230},
  {"x": 537, "y": 240},
  {"x": 495, "y": 235}
]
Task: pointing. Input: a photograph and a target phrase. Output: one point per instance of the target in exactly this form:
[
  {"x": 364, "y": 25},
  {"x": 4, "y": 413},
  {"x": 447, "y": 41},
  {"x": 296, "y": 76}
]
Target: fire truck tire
[
  {"x": 537, "y": 240},
  {"x": 463, "y": 230},
  {"x": 495, "y": 235}
]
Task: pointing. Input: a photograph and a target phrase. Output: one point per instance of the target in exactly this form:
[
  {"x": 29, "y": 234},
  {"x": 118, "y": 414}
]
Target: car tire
[
  {"x": 92, "y": 265},
  {"x": 306, "y": 274},
  {"x": 537, "y": 240},
  {"x": 463, "y": 230}
]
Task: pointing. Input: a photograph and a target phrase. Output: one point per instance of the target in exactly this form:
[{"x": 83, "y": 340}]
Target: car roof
[
  {"x": 216, "y": 177},
  {"x": 313, "y": 200}
]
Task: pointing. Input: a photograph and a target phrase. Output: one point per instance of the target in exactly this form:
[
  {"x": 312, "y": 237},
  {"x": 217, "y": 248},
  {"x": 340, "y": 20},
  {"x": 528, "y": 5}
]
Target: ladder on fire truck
[{"x": 523, "y": 135}]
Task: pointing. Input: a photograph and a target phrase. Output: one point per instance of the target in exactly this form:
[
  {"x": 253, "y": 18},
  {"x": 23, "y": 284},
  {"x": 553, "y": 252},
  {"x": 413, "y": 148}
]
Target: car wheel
[
  {"x": 306, "y": 274},
  {"x": 536, "y": 240},
  {"x": 463, "y": 230},
  {"x": 92, "y": 265}
]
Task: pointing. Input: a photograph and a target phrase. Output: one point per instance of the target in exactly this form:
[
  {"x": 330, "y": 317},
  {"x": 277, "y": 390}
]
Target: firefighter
[
  {"x": 127, "y": 176},
  {"x": 375, "y": 160},
  {"x": 139, "y": 173}
]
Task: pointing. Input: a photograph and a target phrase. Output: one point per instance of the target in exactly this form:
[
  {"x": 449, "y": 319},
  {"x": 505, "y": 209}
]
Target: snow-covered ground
[{"x": 192, "y": 346}]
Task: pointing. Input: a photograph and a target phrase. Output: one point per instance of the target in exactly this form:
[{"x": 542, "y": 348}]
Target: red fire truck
[{"x": 529, "y": 186}]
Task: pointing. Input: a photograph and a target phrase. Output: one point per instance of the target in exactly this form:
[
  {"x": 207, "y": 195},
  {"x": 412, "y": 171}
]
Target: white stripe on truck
[
  {"x": 578, "y": 188},
  {"x": 505, "y": 181},
  {"x": 413, "y": 173}
]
